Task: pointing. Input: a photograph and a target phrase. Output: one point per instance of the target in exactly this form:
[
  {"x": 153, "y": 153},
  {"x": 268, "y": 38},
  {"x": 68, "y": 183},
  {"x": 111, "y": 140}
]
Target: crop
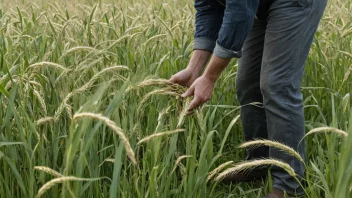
[{"x": 86, "y": 109}]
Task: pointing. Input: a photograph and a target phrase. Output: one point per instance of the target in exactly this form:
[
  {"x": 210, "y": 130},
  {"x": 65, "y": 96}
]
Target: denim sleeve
[
  {"x": 237, "y": 22},
  {"x": 209, "y": 18}
]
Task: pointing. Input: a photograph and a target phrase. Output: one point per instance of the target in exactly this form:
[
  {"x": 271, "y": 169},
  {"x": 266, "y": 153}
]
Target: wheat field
[{"x": 86, "y": 109}]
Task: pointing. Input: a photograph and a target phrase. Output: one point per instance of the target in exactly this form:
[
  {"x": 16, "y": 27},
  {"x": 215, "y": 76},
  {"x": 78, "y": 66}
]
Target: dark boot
[{"x": 277, "y": 193}]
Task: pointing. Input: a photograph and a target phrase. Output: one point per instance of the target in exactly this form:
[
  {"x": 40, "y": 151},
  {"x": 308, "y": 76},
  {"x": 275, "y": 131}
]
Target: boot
[{"x": 277, "y": 193}]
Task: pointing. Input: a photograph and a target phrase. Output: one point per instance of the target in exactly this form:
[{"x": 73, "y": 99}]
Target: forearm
[
  {"x": 230, "y": 34},
  {"x": 215, "y": 67},
  {"x": 235, "y": 28},
  {"x": 198, "y": 61}
]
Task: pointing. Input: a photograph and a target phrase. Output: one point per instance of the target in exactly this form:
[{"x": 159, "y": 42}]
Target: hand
[
  {"x": 194, "y": 69},
  {"x": 202, "y": 89},
  {"x": 185, "y": 77}
]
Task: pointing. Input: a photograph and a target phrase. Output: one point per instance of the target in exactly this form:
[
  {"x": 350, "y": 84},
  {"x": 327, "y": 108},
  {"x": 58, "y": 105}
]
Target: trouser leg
[
  {"x": 289, "y": 34},
  {"x": 248, "y": 89}
]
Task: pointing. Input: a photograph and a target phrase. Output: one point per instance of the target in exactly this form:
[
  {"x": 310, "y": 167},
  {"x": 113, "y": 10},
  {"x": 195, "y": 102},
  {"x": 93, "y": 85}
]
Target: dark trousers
[{"x": 270, "y": 71}]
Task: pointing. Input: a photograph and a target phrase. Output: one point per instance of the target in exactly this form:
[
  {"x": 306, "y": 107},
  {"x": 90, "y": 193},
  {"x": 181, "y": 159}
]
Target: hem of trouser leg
[{"x": 290, "y": 193}]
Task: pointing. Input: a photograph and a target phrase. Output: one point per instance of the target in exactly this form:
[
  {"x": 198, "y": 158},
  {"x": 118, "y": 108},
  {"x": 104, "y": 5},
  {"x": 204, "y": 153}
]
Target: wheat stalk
[
  {"x": 44, "y": 120},
  {"x": 183, "y": 113},
  {"x": 41, "y": 100},
  {"x": 347, "y": 75},
  {"x": 218, "y": 169},
  {"x": 49, "y": 171},
  {"x": 96, "y": 76},
  {"x": 248, "y": 165},
  {"x": 114, "y": 127},
  {"x": 148, "y": 82},
  {"x": 79, "y": 48},
  {"x": 53, "y": 65},
  {"x": 179, "y": 159},
  {"x": 35, "y": 83},
  {"x": 275, "y": 144},
  {"x": 146, "y": 139},
  {"x": 52, "y": 182},
  {"x": 86, "y": 86},
  {"x": 109, "y": 69},
  {"x": 159, "y": 81},
  {"x": 160, "y": 117},
  {"x": 9, "y": 84},
  {"x": 62, "y": 106},
  {"x": 327, "y": 129},
  {"x": 69, "y": 110},
  {"x": 155, "y": 92}
]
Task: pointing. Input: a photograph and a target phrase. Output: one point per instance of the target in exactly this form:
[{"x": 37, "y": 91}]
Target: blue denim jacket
[{"x": 222, "y": 26}]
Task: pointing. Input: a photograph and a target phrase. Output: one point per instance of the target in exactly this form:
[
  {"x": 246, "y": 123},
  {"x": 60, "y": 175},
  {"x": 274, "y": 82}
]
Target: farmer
[{"x": 273, "y": 38}]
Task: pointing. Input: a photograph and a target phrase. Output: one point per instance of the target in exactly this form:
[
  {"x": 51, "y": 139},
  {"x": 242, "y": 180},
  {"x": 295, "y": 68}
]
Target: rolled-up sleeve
[
  {"x": 209, "y": 18},
  {"x": 237, "y": 22}
]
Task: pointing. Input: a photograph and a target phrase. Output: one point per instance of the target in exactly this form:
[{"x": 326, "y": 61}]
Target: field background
[{"x": 62, "y": 58}]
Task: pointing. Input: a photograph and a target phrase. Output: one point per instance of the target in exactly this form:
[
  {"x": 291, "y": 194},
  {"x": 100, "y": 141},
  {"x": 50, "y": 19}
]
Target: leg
[
  {"x": 248, "y": 89},
  {"x": 289, "y": 34}
]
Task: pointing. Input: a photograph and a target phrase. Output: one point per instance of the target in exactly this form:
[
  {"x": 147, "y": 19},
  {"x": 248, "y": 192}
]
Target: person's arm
[
  {"x": 209, "y": 15},
  {"x": 194, "y": 69},
  {"x": 202, "y": 88},
  {"x": 237, "y": 22}
]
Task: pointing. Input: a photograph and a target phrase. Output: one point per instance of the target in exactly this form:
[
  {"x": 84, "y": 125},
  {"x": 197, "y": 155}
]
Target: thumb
[{"x": 188, "y": 93}]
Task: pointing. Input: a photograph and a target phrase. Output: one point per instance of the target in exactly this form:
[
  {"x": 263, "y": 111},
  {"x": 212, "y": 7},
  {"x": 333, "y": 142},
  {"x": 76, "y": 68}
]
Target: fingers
[
  {"x": 188, "y": 93},
  {"x": 196, "y": 102}
]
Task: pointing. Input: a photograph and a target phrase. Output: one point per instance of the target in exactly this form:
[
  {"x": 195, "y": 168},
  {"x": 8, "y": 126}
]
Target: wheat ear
[
  {"x": 178, "y": 161},
  {"x": 49, "y": 171},
  {"x": 52, "y": 182},
  {"x": 50, "y": 64},
  {"x": 44, "y": 120},
  {"x": 155, "y": 92},
  {"x": 148, "y": 82},
  {"x": 248, "y": 165},
  {"x": 275, "y": 144},
  {"x": 114, "y": 127},
  {"x": 218, "y": 169},
  {"x": 327, "y": 129},
  {"x": 146, "y": 139}
]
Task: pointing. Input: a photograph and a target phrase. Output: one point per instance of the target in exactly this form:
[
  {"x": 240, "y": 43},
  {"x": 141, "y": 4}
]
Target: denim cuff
[
  {"x": 226, "y": 53},
  {"x": 203, "y": 43}
]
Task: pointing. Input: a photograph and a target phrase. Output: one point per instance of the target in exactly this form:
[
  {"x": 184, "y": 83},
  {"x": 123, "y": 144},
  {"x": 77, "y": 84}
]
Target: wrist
[
  {"x": 195, "y": 68},
  {"x": 199, "y": 60},
  {"x": 211, "y": 76},
  {"x": 215, "y": 67}
]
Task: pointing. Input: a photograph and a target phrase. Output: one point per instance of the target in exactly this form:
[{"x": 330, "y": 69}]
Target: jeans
[{"x": 270, "y": 72}]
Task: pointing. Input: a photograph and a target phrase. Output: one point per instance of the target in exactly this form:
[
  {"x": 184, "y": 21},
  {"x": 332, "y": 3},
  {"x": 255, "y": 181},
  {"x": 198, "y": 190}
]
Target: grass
[{"x": 81, "y": 84}]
